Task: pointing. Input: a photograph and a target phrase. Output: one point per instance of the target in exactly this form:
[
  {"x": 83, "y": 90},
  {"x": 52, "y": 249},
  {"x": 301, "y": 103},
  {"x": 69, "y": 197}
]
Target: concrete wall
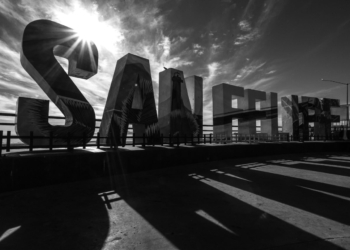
[{"x": 20, "y": 171}]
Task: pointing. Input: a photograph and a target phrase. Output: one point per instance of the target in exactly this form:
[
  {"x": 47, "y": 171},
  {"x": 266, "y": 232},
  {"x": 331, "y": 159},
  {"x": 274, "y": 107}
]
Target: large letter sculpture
[
  {"x": 245, "y": 112},
  {"x": 296, "y": 117},
  {"x": 130, "y": 100},
  {"x": 42, "y": 40},
  {"x": 175, "y": 115},
  {"x": 194, "y": 86},
  {"x": 290, "y": 115}
]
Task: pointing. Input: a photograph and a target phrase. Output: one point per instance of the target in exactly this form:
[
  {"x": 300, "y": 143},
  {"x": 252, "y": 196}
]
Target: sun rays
[{"x": 90, "y": 26}]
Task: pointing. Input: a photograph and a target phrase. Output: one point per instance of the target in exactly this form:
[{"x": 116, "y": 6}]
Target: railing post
[
  {"x": 185, "y": 139},
  {"x": 68, "y": 141},
  {"x": 192, "y": 139},
  {"x": 1, "y": 135},
  {"x": 161, "y": 139},
  {"x": 178, "y": 140},
  {"x": 98, "y": 140},
  {"x": 8, "y": 141},
  {"x": 124, "y": 140},
  {"x": 116, "y": 140},
  {"x": 110, "y": 138},
  {"x": 170, "y": 141},
  {"x": 198, "y": 138},
  {"x": 204, "y": 138},
  {"x": 144, "y": 140},
  {"x": 210, "y": 138},
  {"x": 133, "y": 139},
  {"x": 84, "y": 140},
  {"x": 51, "y": 141},
  {"x": 31, "y": 141}
]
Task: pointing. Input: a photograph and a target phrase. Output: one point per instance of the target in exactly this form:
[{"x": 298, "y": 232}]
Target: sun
[{"x": 88, "y": 26}]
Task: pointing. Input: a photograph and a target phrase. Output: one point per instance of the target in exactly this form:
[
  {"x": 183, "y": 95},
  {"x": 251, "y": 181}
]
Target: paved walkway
[{"x": 279, "y": 202}]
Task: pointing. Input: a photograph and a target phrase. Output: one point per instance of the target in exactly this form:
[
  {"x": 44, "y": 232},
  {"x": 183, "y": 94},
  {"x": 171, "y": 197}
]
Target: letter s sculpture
[{"x": 42, "y": 39}]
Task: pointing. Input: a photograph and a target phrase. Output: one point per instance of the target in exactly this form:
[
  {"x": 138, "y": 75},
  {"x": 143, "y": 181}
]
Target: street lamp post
[{"x": 347, "y": 104}]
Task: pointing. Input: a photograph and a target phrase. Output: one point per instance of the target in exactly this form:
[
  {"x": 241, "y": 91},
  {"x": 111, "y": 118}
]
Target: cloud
[
  {"x": 253, "y": 26},
  {"x": 144, "y": 28},
  {"x": 248, "y": 70},
  {"x": 322, "y": 93},
  {"x": 10, "y": 11},
  {"x": 244, "y": 25},
  {"x": 15, "y": 80},
  {"x": 198, "y": 49},
  {"x": 209, "y": 82}
]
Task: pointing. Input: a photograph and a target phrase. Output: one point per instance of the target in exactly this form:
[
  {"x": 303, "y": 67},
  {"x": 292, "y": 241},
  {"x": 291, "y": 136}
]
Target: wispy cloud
[
  {"x": 10, "y": 10},
  {"x": 144, "y": 28}
]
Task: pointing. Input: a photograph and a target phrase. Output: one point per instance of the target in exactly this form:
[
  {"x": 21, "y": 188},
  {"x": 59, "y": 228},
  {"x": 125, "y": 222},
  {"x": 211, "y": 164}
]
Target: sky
[{"x": 282, "y": 46}]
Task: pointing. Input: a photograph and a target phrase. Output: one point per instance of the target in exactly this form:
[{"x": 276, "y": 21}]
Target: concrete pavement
[{"x": 275, "y": 202}]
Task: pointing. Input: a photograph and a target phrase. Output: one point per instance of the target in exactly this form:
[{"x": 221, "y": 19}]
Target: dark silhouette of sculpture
[
  {"x": 130, "y": 100},
  {"x": 42, "y": 39},
  {"x": 175, "y": 115},
  {"x": 194, "y": 85},
  {"x": 176, "y": 101},
  {"x": 290, "y": 115},
  {"x": 296, "y": 117},
  {"x": 245, "y": 112}
]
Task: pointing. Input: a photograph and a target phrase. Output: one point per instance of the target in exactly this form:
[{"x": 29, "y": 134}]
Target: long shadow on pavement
[
  {"x": 320, "y": 167},
  {"x": 269, "y": 185},
  {"x": 194, "y": 215},
  {"x": 65, "y": 216}
]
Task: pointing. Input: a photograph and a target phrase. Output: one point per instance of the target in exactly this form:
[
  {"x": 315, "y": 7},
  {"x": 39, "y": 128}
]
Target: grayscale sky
[{"x": 270, "y": 45}]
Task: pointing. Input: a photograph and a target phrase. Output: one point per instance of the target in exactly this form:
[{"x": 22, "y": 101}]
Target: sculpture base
[{"x": 23, "y": 170}]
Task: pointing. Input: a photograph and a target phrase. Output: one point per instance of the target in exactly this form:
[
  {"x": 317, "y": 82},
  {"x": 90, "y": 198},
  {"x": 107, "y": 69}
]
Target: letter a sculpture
[{"x": 130, "y": 100}]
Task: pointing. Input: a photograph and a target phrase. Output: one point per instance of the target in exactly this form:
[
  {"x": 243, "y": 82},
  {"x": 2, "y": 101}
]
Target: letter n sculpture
[{"x": 176, "y": 118}]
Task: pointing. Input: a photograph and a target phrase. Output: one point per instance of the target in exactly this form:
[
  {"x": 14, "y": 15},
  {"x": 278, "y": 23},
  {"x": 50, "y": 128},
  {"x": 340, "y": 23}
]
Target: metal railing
[
  {"x": 170, "y": 140},
  {"x": 173, "y": 141},
  {"x": 62, "y": 118}
]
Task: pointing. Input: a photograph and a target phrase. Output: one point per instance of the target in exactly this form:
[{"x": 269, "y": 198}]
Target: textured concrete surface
[
  {"x": 279, "y": 202},
  {"x": 21, "y": 170}
]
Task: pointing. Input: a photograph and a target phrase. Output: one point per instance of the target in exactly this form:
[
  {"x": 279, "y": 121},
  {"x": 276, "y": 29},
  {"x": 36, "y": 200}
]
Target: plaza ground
[{"x": 299, "y": 201}]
